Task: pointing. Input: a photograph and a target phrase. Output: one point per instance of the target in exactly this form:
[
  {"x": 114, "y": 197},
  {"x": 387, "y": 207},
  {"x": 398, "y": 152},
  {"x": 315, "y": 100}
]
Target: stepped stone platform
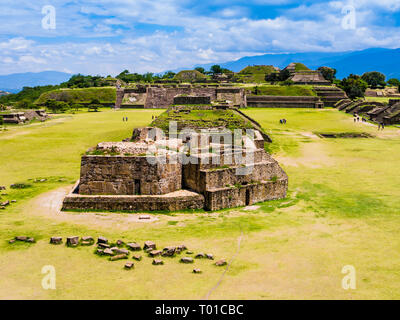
[
  {"x": 211, "y": 169},
  {"x": 309, "y": 78},
  {"x": 330, "y": 95},
  {"x": 284, "y": 102},
  {"x": 160, "y": 96},
  {"x": 173, "y": 201}
]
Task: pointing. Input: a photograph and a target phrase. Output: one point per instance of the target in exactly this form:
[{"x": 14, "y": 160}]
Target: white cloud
[
  {"x": 184, "y": 37},
  {"x": 31, "y": 59},
  {"x": 16, "y": 44}
]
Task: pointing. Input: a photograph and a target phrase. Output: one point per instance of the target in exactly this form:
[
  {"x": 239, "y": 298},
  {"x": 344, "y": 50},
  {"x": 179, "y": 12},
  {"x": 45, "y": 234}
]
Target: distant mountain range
[
  {"x": 15, "y": 82},
  {"x": 356, "y": 62}
]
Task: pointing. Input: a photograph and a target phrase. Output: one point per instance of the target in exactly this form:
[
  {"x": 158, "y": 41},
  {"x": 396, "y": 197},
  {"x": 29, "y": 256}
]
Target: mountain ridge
[
  {"x": 16, "y": 81},
  {"x": 356, "y": 62}
]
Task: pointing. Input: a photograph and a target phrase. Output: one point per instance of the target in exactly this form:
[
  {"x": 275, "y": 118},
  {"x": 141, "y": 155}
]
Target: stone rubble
[
  {"x": 221, "y": 263},
  {"x": 55, "y": 240},
  {"x": 72, "y": 241},
  {"x": 149, "y": 245},
  {"x": 134, "y": 246}
]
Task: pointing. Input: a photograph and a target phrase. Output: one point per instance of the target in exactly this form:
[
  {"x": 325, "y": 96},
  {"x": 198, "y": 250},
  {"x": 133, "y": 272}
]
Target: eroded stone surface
[
  {"x": 134, "y": 246},
  {"x": 221, "y": 263},
  {"x": 149, "y": 245},
  {"x": 56, "y": 240},
  {"x": 187, "y": 260},
  {"x": 72, "y": 241}
]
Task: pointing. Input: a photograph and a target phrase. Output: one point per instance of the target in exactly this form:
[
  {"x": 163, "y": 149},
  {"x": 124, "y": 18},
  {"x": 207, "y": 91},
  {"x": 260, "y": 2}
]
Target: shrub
[
  {"x": 56, "y": 106},
  {"x": 20, "y": 186},
  {"x": 288, "y": 82}
]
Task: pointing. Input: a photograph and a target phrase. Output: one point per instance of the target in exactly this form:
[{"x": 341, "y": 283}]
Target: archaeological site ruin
[{"x": 211, "y": 158}]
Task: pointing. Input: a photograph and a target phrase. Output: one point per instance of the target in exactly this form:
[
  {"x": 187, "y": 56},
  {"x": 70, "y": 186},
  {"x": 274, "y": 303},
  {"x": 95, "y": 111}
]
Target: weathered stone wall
[
  {"x": 200, "y": 177},
  {"x": 163, "y": 97},
  {"x": 192, "y": 100},
  {"x": 245, "y": 195},
  {"x": 120, "y": 175},
  {"x": 236, "y": 95},
  {"x": 133, "y": 203}
]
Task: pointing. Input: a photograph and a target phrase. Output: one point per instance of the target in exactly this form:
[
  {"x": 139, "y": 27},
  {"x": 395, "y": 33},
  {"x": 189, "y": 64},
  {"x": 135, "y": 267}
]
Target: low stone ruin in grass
[{"x": 119, "y": 250}]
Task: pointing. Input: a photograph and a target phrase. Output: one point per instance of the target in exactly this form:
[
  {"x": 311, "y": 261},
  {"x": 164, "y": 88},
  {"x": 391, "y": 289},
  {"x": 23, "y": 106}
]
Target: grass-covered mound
[
  {"x": 300, "y": 67},
  {"x": 197, "y": 119},
  {"x": 276, "y": 90},
  {"x": 104, "y": 95},
  {"x": 255, "y": 74},
  {"x": 189, "y": 75}
]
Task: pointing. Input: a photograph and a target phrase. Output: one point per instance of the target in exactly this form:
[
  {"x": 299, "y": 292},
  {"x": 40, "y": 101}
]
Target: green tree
[
  {"x": 394, "y": 82},
  {"x": 94, "y": 105},
  {"x": 56, "y": 106},
  {"x": 374, "y": 79},
  {"x": 328, "y": 73},
  {"x": 272, "y": 77},
  {"x": 168, "y": 75},
  {"x": 216, "y": 69},
  {"x": 201, "y": 70},
  {"x": 284, "y": 75},
  {"x": 76, "y": 106},
  {"x": 354, "y": 86}
]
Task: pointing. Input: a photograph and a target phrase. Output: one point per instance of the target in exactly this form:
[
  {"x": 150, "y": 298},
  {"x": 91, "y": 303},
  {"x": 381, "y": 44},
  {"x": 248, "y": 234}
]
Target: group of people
[
  {"x": 282, "y": 121},
  {"x": 357, "y": 118},
  {"x": 381, "y": 125}
]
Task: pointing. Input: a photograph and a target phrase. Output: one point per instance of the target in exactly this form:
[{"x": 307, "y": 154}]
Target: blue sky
[{"x": 108, "y": 36}]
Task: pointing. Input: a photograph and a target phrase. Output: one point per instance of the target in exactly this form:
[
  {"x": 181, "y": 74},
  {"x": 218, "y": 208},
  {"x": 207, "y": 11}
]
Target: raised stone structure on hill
[
  {"x": 163, "y": 96},
  {"x": 309, "y": 78},
  {"x": 211, "y": 168}
]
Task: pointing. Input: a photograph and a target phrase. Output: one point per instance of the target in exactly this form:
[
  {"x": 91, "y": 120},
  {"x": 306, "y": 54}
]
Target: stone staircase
[
  {"x": 342, "y": 104},
  {"x": 330, "y": 95}
]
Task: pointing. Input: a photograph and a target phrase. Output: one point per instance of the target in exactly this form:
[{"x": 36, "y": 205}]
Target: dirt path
[
  {"x": 22, "y": 130},
  {"x": 49, "y": 205},
  {"x": 314, "y": 155}
]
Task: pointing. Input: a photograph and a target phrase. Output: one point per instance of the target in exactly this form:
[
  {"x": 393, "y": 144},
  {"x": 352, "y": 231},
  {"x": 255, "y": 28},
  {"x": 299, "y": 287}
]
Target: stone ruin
[
  {"x": 212, "y": 170},
  {"x": 309, "y": 78},
  {"x": 378, "y": 112},
  {"x": 161, "y": 96},
  {"x": 26, "y": 116}
]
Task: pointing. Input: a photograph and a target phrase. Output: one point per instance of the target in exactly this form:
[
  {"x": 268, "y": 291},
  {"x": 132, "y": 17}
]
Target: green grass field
[{"x": 342, "y": 209}]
